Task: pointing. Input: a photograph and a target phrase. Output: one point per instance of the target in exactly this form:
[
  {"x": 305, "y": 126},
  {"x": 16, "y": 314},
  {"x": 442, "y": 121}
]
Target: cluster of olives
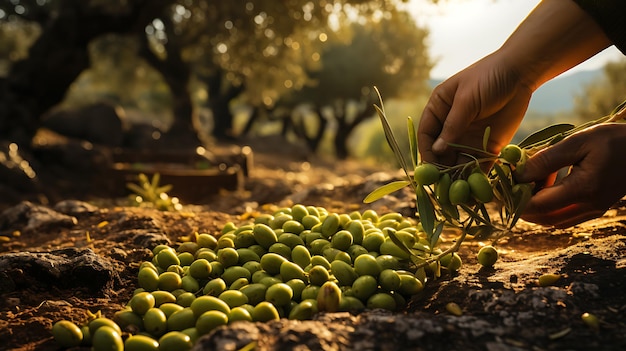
[
  {"x": 292, "y": 263},
  {"x": 462, "y": 189}
]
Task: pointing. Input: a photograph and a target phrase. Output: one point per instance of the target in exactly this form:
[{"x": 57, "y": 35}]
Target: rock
[
  {"x": 27, "y": 216},
  {"x": 65, "y": 269},
  {"x": 74, "y": 207},
  {"x": 99, "y": 123}
]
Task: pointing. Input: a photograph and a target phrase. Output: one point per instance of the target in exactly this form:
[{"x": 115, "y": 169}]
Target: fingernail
[{"x": 440, "y": 146}]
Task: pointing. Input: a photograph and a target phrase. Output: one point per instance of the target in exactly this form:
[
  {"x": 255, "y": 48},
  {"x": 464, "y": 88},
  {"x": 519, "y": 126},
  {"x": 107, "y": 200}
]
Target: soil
[{"x": 503, "y": 308}]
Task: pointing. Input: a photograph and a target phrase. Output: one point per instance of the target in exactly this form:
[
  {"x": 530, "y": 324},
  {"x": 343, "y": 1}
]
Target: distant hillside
[{"x": 557, "y": 94}]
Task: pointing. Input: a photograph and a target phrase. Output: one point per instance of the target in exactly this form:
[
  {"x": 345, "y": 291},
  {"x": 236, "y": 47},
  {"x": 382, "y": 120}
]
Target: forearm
[{"x": 556, "y": 36}]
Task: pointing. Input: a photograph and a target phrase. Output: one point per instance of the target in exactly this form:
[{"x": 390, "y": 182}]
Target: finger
[
  {"x": 431, "y": 123},
  {"x": 565, "y": 217},
  {"x": 549, "y": 160},
  {"x": 558, "y": 196},
  {"x": 460, "y": 116}
]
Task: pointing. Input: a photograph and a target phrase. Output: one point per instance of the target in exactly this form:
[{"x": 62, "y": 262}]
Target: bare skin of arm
[{"x": 495, "y": 91}]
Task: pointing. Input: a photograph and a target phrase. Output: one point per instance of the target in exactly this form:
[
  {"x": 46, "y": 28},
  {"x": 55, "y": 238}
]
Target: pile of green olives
[{"x": 291, "y": 263}]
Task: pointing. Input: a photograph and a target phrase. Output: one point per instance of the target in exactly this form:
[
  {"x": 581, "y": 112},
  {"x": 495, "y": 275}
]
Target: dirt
[{"x": 503, "y": 308}]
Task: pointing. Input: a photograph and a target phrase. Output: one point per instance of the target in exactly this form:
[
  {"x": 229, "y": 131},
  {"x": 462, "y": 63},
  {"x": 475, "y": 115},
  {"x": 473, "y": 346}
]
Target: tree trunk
[
  {"x": 57, "y": 57},
  {"x": 219, "y": 102},
  {"x": 177, "y": 74},
  {"x": 345, "y": 128}
]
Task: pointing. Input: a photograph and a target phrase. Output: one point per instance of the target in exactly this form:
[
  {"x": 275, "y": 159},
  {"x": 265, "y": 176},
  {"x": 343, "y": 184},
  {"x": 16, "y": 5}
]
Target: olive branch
[{"x": 471, "y": 218}]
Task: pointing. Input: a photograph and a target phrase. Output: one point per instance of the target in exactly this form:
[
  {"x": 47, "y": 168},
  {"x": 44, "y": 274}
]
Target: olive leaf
[
  {"x": 486, "y": 136},
  {"x": 413, "y": 142},
  {"x": 399, "y": 243},
  {"x": 426, "y": 211},
  {"x": 437, "y": 233},
  {"x": 391, "y": 139},
  {"x": 545, "y": 134},
  {"x": 505, "y": 186},
  {"x": 521, "y": 200},
  {"x": 385, "y": 190}
]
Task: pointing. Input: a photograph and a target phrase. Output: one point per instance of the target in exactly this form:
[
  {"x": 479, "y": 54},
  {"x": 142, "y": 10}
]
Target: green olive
[
  {"x": 318, "y": 260},
  {"x": 102, "y": 322},
  {"x": 264, "y": 235},
  {"x": 185, "y": 299},
  {"x": 167, "y": 257},
  {"x": 228, "y": 257},
  {"x": 161, "y": 297},
  {"x": 186, "y": 258},
  {"x": 388, "y": 262},
  {"x": 238, "y": 284},
  {"x": 344, "y": 273},
  {"x": 210, "y": 320},
  {"x": 329, "y": 297},
  {"x": 342, "y": 240},
  {"x": 310, "y": 292},
  {"x": 364, "y": 287},
  {"x": 208, "y": 303},
  {"x": 254, "y": 292},
  {"x": 426, "y": 174},
  {"x": 279, "y": 294},
  {"x": 265, "y": 312},
  {"x": 235, "y": 272},
  {"x": 487, "y": 256},
  {"x": 367, "y": 265},
  {"x": 382, "y": 300},
  {"x": 106, "y": 338},
  {"x": 351, "y": 304},
  {"x": 480, "y": 187},
  {"x": 234, "y": 298},
  {"x": 373, "y": 240},
  {"x": 214, "y": 287},
  {"x": 330, "y": 225},
  {"x": 271, "y": 262},
  {"x": 239, "y": 314},
  {"x": 511, "y": 153},
  {"x": 459, "y": 192},
  {"x": 389, "y": 280},
  {"x": 170, "y": 281},
  {"x": 303, "y": 311},
  {"x": 244, "y": 239},
  {"x": 155, "y": 321},
  {"x": 301, "y": 256},
  {"x": 409, "y": 285},
  {"x": 290, "y": 270},
  {"x": 127, "y": 318},
  {"x": 148, "y": 279},
  {"x": 548, "y": 279},
  {"x": 181, "y": 319},
  {"x": 206, "y": 240},
  {"x": 67, "y": 334},
  {"x": 169, "y": 308},
  {"x": 189, "y": 283},
  {"x": 200, "y": 269},
  {"x": 141, "y": 343},
  {"x": 175, "y": 341},
  {"x": 281, "y": 249}
]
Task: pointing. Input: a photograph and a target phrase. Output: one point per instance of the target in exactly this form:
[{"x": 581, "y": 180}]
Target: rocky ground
[{"x": 65, "y": 258}]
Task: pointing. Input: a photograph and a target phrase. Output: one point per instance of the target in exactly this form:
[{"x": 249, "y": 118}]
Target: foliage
[
  {"x": 600, "y": 96},
  {"x": 148, "y": 193},
  {"x": 436, "y": 209}
]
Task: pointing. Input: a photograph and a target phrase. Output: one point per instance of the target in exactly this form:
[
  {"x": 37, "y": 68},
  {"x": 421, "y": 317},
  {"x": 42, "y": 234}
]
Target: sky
[{"x": 463, "y": 31}]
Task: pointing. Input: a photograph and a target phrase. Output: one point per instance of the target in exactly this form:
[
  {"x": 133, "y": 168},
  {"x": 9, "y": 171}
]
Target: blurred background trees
[{"x": 205, "y": 70}]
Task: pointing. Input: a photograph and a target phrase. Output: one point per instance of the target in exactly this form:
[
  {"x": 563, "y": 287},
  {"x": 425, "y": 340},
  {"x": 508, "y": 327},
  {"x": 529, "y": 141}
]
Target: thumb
[{"x": 550, "y": 160}]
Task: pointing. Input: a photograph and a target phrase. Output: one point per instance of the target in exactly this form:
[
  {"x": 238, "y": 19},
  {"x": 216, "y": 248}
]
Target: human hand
[
  {"x": 594, "y": 183},
  {"x": 488, "y": 93}
]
